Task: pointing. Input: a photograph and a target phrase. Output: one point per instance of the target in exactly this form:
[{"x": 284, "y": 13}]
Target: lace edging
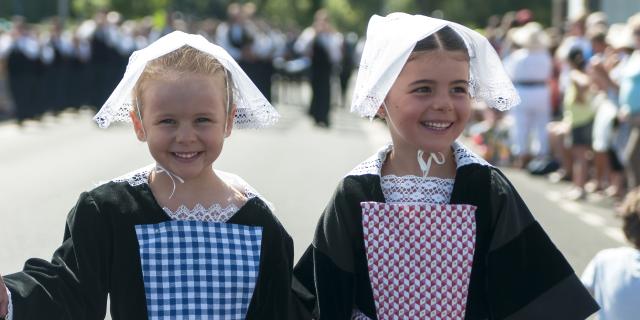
[
  {"x": 141, "y": 176},
  {"x": 215, "y": 213},
  {"x": 373, "y": 165}
]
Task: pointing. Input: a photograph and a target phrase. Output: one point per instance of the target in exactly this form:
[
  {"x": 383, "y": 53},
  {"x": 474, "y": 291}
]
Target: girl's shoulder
[
  {"x": 373, "y": 164},
  {"x": 133, "y": 178},
  {"x": 124, "y": 191},
  {"x": 243, "y": 186}
]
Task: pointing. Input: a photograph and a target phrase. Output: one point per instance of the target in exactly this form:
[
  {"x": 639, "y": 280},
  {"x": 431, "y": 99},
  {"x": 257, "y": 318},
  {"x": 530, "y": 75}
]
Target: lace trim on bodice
[
  {"x": 213, "y": 213},
  {"x": 373, "y": 165},
  {"x": 137, "y": 177},
  {"x": 415, "y": 189}
]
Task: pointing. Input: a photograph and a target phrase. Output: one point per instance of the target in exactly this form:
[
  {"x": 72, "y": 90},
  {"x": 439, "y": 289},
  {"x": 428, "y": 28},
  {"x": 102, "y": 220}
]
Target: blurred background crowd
[
  {"x": 579, "y": 118},
  {"x": 578, "y": 74}
]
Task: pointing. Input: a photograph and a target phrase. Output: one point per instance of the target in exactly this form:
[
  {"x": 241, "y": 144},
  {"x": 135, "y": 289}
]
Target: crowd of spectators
[
  {"x": 579, "y": 120},
  {"x": 53, "y": 66}
]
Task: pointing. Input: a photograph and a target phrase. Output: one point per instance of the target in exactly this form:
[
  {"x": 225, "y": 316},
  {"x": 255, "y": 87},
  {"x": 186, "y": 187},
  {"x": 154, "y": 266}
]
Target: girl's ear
[
  {"x": 230, "y": 118},
  {"x": 381, "y": 113},
  {"x": 137, "y": 126}
]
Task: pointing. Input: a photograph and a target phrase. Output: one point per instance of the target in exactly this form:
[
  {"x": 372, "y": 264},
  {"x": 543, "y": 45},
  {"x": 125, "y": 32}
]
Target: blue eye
[
  {"x": 167, "y": 121},
  {"x": 459, "y": 89},
  {"x": 422, "y": 90},
  {"x": 203, "y": 120}
]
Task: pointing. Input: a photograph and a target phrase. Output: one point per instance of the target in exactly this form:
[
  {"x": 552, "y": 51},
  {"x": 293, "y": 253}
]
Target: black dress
[
  {"x": 101, "y": 255},
  {"x": 517, "y": 272},
  {"x": 321, "y": 71},
  {"x": 23, "y": 72}
]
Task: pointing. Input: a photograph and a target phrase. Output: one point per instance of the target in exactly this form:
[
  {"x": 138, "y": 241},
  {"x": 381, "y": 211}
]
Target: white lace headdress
[
  {"x": 253, "y": 109},
  {"x": 390, "y": 41}
]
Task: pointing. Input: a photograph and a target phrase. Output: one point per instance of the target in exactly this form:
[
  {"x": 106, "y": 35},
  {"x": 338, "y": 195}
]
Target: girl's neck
[
  {"x": 206, "y": 190},
  {"x": 403, "y": 161}
]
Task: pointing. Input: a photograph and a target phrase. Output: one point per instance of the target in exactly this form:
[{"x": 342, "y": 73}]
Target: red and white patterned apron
[{"x": 419, "y": 258}]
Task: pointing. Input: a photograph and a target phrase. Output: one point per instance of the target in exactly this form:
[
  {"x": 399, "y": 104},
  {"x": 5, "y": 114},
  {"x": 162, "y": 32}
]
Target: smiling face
[
  {"x": 184, "y": 122},
  {"x": 429, "y": 104}
]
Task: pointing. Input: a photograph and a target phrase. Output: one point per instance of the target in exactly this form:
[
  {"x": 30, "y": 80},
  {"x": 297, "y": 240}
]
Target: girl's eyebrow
[
  {"x": 205, "y": 113},
  {"x": 427, "y": 81},
  {"x": 164, "y": 114}
]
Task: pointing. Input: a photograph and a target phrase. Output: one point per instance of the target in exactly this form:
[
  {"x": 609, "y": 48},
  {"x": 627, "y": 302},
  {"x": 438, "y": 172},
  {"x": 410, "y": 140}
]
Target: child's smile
[
  {"x": 429, "y": 104},
  {"x": 186, "y": 156},
  {"x": 436, "y": 125},
  {"x": 185, "y": 123}
]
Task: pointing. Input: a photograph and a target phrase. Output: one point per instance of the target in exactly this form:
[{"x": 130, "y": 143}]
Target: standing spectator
[
  {"x": 22, "y": 67},
  {"x": 605, "y": 111},
  {"x": 629, "y": 100},
  {"x": 5, "y": 99},
  {"x": 56, "y": 51},
  {"x": 606, "y": 162},
  {"x": 579, "y": 113},
  {"x": 613, "y": 275},
  {"x": 80, "y": 93},
  {"x": 101, "y": 60},
  {"x": 574, "y": 38},
  {"x": 263, "y": 50},
  {"x": 530, "y": 68},
  {"x": 323, "y": 44},
  {"x": 348, "y": 64},
  {"x": 231, "y": 34}
]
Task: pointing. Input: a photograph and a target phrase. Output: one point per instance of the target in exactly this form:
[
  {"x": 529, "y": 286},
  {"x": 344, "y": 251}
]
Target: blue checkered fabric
[{"x": 199, "y": 270}]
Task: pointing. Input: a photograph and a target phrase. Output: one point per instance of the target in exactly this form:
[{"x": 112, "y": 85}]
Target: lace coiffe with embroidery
[
  {"x": 390, "y": 41},
  {"x": 253, "y": 109}
]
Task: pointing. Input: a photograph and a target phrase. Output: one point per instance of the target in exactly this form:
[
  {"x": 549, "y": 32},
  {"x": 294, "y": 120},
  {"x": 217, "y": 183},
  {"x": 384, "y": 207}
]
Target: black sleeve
[
  {"x": 528, "y": 277},
  {"x": 272, "y": 294},
  {"x": 74, "y": 284},
  {"x": 325, "y": 275}
]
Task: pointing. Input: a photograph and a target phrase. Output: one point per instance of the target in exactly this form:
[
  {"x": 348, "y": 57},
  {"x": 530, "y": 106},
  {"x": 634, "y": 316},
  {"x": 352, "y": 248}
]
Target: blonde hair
[
  {"x": 630, "y": 213},
  {"x": 184, "y": 60}
]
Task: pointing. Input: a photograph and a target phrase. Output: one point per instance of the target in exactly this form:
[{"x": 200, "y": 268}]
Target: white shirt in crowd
[{"x": 613, "y": 278}]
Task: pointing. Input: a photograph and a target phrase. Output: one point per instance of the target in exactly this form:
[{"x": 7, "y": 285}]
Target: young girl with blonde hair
[{"x": 177, "y": 239}]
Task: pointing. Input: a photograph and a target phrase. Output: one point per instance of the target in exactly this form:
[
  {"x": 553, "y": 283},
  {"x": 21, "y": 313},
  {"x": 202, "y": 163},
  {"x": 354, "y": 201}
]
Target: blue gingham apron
[{"x": 199, "y": 270}]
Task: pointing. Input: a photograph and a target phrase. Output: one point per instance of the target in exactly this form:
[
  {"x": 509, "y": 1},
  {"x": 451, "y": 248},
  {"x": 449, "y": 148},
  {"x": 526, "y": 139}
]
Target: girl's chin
[{"x": 430, "y": 147}]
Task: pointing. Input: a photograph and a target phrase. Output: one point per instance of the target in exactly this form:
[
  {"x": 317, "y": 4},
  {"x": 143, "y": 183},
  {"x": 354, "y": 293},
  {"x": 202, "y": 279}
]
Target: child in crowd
[
  {"x": 176, "y": 239},
  {"x": 613, "y": 275},
  {"x": 579, "y": 114},
  {"x": 426, "y": 229}
]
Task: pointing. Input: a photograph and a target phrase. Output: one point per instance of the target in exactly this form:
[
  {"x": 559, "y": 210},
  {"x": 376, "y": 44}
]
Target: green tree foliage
[
  {"x": 346, "y": 14},
  {"x": 32, "y": 10}
]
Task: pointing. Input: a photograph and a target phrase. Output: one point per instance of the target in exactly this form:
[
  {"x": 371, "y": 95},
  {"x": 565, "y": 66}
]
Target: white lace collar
[
  {"x": 214, "y": 213},
  {"x": 373, "y": 165},
  {"x": 141, "y": 176}
]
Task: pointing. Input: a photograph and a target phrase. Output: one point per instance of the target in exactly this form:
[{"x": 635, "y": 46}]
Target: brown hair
[
  {"x": 185, "y": 60},
  {"x": 630, "y": 213},
  {"x": 443, "y": 39}
]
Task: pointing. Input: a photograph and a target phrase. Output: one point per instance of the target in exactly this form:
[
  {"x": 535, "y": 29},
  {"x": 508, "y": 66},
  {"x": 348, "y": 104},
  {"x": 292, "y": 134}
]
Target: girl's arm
[
  {"x": 74, "y": 284},
  {"x": 528, "y": 277},
  {"x": 272, "y": 295},
  {"x": 325, "y": 276}
]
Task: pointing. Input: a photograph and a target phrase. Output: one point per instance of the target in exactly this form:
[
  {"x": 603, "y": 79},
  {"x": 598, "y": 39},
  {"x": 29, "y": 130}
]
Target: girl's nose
[
  {"x": 185, "y": 134},
  {"x": 442, "y": 102}
]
